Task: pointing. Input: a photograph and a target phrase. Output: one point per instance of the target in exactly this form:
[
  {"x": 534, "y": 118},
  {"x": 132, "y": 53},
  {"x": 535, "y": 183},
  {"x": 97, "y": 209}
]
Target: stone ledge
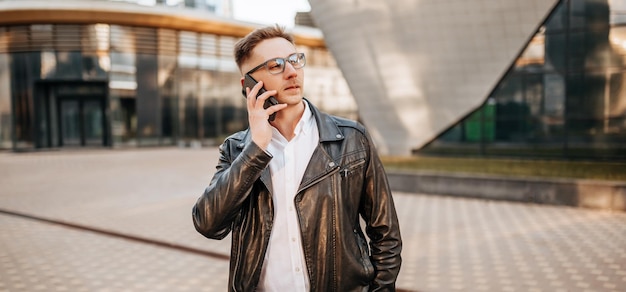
[{"x": 568, "y": 192}]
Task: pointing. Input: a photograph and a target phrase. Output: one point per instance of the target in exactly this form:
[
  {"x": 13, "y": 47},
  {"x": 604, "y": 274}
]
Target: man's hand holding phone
[
  {"x": 249, "y": 81},
  {"x": 259, "y": 114}
]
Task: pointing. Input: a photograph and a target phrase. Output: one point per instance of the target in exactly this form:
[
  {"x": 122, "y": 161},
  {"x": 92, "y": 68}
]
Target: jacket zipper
[
  {"x": 349, "y": 168},
  {"x": 332, "y": 171},
  {"x": 298, "y": 199}
]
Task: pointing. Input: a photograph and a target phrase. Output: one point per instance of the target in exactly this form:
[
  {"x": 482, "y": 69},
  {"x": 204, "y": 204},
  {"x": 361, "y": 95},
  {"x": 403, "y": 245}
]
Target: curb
[{"x": 605, "y": 195}]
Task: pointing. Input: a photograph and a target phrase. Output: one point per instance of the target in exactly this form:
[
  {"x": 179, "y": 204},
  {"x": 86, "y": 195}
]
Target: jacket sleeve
[
  {"x": 382, "y": 225},
  {"x": 221, "y": 201}
]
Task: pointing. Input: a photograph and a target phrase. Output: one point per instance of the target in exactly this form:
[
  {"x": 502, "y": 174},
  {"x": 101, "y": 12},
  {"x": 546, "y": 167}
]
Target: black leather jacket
[{"x": 343, "y": 180}]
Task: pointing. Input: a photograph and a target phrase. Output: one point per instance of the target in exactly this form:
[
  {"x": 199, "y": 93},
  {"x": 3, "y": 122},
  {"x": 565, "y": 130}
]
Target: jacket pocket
[
  {"x": 366, "y": 263},
  {"x": 351, "y": 167}
]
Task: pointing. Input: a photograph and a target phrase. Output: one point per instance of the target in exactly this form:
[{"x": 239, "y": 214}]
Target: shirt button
[
  {"x": 298, "y": 270},
  {"x": 332, "y": 164},
  {"x": 338, "y": 136},
  {"x": 293, "y": 239}
]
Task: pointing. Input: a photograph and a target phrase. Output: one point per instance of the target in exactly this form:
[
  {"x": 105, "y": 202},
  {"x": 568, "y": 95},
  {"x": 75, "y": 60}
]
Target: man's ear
[{"x": 242, "y": 82}]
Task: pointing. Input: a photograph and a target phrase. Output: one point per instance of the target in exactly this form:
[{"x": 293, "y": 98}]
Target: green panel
[{"x": 480, "y": 125}]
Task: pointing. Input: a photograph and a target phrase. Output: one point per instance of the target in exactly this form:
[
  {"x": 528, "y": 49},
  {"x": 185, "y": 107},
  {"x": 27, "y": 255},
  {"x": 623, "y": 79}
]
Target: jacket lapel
[
  {"x": 322, "y": 161},
  {"x": 319, "y": 166}
]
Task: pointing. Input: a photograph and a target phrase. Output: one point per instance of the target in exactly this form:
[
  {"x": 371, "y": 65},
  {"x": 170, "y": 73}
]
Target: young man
[{"x": 291, "y": 190}]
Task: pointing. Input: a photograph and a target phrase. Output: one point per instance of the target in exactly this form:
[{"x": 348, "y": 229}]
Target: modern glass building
[
  {"x": 133, "y": 73},
  {"x": 563, "y": 97},
  {"x": 533, "y": 78}
]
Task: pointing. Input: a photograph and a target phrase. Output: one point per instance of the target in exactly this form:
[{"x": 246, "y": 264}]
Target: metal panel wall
[{"x": 415, "y": 67}]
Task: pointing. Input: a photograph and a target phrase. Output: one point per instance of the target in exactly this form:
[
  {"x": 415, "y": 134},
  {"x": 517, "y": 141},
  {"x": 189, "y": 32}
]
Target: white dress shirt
[{"x": 284, "y": 268}]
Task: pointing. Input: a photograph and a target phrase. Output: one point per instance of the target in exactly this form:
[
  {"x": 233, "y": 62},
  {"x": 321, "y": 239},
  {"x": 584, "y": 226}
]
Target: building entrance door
[
  {"x": 81, "y": 121},
  {"x": 71, "y": 114}
]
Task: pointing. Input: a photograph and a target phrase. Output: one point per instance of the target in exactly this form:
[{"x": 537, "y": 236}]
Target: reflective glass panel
[
  {"x": 93, "y": 122},
  {"x": 573, "y": 106},
  {"x": 69, "y": 65},
  {"x": 70, "y": 122},
  {"x": 5, "y": 102}
]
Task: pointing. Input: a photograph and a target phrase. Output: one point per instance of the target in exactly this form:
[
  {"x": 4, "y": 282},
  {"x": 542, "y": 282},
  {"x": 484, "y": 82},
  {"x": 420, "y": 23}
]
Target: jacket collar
[
  {"x": 328, "y": 132},
  {"x": 327, "y": 128}
]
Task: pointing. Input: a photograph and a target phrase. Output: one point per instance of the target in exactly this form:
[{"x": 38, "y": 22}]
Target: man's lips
[{"x": 295, "y": 86}]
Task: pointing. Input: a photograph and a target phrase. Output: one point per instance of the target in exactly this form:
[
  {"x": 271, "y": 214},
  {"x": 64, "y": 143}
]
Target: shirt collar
[{"x": 304, "y": 125}]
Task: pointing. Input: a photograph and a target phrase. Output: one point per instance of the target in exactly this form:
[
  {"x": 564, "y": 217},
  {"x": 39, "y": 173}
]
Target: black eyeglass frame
[{"x": 299, "y": 56}]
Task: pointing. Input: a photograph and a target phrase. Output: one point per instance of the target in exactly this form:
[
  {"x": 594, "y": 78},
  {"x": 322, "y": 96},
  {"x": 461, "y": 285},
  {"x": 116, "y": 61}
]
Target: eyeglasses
[{"x": 277, "y": 65}]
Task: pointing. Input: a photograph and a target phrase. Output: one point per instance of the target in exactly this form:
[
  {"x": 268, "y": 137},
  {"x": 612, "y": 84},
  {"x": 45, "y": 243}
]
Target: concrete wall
[
  {"x": 416, "y": 67},
  {"x": 567, "y": 192}
]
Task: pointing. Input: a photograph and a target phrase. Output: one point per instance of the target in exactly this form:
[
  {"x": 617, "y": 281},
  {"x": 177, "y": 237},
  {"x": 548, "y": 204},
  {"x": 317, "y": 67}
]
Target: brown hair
[{"x": 243, "y": 47}]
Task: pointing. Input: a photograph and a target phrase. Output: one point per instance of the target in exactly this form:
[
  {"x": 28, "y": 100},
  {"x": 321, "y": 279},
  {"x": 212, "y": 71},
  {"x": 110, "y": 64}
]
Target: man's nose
[{"x": 289, "y": 69}]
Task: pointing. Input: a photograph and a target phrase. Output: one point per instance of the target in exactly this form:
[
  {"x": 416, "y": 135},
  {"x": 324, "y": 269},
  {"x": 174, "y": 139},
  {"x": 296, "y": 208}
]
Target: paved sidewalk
[{"x": 120, "y": 220}]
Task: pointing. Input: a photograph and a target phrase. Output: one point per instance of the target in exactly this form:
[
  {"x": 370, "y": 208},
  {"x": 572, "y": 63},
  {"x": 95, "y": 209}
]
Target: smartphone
[{"x": 270, "y": 101}]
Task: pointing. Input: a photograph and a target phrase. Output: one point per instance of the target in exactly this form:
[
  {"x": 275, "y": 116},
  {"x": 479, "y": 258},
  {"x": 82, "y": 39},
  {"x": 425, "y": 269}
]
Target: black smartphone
[{"x": 270, "y": 101}]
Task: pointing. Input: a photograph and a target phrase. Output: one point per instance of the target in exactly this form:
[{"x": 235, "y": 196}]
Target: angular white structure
[{"x": 415, "y": 67}]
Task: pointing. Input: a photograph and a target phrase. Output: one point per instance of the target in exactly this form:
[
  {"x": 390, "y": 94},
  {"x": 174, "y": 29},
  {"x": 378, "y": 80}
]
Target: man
[{"x": 291, "y": 190}]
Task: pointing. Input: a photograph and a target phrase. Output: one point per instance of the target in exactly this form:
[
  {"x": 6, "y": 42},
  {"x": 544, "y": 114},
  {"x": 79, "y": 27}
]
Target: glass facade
[
  {"x": 111, "y": 85},
  {"x": 564, "y": 97}
]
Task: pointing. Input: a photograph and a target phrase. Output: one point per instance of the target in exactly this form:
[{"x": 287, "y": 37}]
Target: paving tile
[
  {"x": 450, "y": 244},
  {"x": 36, "y": 256},
  {"x": 460, "y": 244}
]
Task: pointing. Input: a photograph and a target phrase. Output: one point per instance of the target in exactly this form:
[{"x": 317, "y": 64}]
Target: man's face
[{"x": 289, "y": 83}]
